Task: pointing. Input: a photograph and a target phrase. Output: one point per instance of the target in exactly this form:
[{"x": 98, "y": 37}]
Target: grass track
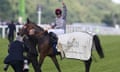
[{"x": 111, "y": 62}]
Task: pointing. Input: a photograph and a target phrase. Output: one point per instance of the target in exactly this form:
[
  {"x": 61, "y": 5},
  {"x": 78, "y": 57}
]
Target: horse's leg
[
  {"x": 88, "y": 65},
  {"x": 34, "y": 61},
  {"x": 54, "y": 59},
  {"x": 98, "y": 46},
  {"x": 41, "y": 59}
]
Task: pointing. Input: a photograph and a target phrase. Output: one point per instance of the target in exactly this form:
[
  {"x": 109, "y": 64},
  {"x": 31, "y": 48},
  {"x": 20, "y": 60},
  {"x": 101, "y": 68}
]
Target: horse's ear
[
  {"x": 28, "y": 21},
  {"x": 45, "y": 32}
]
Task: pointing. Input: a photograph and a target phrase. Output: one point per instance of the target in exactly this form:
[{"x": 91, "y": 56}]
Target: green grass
[{"x": 111, "y": 62}]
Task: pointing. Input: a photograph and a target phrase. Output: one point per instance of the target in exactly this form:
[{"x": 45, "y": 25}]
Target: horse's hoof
[
  {"x": 62, "y": 55},
  {"x": 102, "y": 57}
]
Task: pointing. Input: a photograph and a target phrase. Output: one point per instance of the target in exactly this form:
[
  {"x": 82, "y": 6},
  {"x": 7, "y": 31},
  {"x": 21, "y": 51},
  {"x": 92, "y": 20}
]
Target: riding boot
[{"x": 54, "y": 48}]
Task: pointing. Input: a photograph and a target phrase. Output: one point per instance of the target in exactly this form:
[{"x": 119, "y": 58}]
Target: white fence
[
  {"x": 4, "y": 30},
  {"x": 102, "y": 30}
]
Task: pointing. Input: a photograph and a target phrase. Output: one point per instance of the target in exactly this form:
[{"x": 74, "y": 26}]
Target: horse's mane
[
  {"x": 34, "y": 25},
  {"x": 38, "y": 27}
]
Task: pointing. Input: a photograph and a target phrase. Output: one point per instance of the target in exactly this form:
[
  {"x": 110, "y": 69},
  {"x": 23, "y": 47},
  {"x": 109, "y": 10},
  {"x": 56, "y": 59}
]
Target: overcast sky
[{"x": 116, "y": 1}]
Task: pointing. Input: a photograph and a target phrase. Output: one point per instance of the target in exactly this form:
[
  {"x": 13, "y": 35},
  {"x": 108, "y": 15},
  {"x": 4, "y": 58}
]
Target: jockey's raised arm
[{"x": 64, "y": 11}]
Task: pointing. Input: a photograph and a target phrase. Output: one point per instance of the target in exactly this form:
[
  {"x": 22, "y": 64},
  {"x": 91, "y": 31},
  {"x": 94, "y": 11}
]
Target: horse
[{"x": 41, "y": 37}]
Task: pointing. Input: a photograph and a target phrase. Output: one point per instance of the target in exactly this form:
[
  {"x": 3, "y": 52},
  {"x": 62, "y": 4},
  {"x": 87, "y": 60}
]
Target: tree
[
  {"x": 5, "y": 9},
  {"x": 108, "y": 19}
]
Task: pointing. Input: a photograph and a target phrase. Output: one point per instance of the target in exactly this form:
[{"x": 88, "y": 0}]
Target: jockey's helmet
[{"x": 58, "y": 11}]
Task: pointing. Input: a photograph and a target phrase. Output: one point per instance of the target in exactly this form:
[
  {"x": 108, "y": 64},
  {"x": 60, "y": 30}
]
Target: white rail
[
  {"x": 102, "y": 30},
  {"x": 4, "y": 27}
]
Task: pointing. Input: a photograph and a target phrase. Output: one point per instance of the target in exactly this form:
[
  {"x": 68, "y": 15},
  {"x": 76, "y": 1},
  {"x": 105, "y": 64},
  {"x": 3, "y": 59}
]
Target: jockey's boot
[
  {"x": 54, "y": 48},
  {"x": 57, "y": 52}
]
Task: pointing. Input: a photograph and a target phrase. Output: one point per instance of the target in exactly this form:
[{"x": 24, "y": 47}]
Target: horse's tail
[{"x": 98, "y": 46}]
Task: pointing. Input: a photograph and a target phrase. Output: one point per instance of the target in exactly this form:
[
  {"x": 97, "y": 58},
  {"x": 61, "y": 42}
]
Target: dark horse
[{"x": 37, "y": 36}]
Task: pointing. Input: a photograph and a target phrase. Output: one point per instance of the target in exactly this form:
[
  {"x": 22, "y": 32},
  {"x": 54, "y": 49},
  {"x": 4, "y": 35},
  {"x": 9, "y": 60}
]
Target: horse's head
[{"x": 30, "y": 29}]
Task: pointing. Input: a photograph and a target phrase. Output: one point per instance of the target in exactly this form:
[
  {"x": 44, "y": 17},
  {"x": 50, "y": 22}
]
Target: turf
[{"x": 111, "y": 62}]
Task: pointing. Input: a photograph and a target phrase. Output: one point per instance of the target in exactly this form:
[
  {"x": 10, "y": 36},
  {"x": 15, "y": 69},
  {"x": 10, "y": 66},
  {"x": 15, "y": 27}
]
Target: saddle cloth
[{"x": 76, "y": 45}]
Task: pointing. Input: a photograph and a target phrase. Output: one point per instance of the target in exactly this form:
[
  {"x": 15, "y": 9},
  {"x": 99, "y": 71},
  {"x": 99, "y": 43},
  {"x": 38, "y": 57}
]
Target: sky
[{"x": 116, "y": 1}]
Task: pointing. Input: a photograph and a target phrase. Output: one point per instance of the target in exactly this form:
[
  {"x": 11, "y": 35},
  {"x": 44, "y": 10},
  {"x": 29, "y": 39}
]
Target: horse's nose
[{"x": 19, "y": 33}]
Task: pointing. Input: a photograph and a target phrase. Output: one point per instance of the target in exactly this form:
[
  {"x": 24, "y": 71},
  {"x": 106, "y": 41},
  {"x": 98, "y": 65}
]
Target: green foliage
[
  {"x": 108, "y": 19},
  {"x": 5, "y": 11},
  {"x": 78, "y": 10},
  {"x": 111, "y": 19}
]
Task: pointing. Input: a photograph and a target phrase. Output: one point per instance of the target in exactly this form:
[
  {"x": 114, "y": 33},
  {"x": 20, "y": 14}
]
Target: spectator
[
  {"x": 11, "y": 31},
  {"x": 15, "y": 57}
]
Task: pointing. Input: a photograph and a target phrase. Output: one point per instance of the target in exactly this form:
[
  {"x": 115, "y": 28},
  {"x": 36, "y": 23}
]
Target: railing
[
  {"x": 4, "y": 29},
  {"x": 102, "y": 30}
]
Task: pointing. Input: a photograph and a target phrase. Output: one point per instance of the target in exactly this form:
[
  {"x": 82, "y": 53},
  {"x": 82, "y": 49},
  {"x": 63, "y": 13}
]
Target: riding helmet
[{"x": 58, "y": 11}]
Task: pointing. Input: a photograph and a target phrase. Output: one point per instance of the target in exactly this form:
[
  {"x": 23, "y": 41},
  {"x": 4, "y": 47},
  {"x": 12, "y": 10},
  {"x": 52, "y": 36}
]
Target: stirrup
[{"x": 62, "y": 55}]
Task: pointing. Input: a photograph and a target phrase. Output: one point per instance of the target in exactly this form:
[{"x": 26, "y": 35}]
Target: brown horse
[{"x": 38, "y": 36}]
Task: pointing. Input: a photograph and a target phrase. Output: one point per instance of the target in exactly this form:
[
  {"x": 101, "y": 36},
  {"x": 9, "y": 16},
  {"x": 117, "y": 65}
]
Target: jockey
[{"x": 59, "y": 27}]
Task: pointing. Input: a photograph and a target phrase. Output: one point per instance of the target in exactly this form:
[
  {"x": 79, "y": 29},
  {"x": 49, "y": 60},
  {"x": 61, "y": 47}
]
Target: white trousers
[{"x": 57, "y": 31}]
